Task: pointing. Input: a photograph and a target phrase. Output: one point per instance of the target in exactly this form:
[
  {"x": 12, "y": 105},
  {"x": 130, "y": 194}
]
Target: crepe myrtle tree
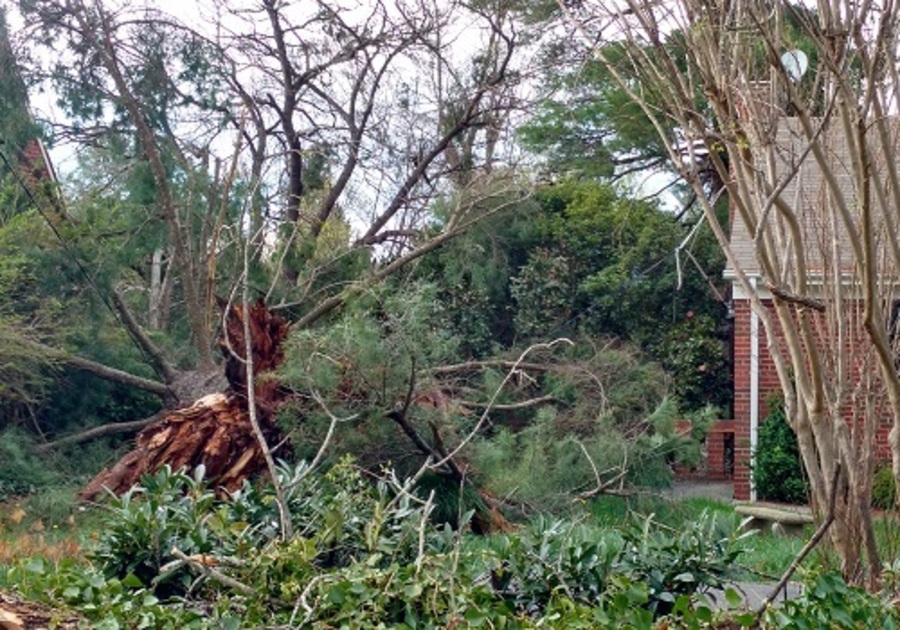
[{"x": 809, "y": 164}]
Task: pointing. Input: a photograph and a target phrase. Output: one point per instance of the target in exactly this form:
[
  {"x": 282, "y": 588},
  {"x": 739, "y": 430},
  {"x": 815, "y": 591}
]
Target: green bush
[
  {"x": 827, "y": 602},
  {"x": 588, "y": 564},
  {"x": 778, "y": 471},
  {"x": 884, "y": 495},
  {"x": 22, "y": 470},
  {"x": 699, "y": 556},
  {"x": 169, "y": 509},
  {"x": 364, "y": 555}
]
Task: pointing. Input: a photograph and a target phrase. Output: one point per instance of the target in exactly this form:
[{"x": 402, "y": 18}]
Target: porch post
[{"x": 754, "y": 387}]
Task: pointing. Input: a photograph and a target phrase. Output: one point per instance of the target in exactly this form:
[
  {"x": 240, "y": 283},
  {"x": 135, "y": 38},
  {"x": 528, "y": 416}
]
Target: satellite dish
[{"x": 795, "y": 63}]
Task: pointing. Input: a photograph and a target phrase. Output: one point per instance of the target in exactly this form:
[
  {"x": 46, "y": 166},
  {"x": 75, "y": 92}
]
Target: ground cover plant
[
  {"x": 764, "y": 555},
  {"x": 366, "y": 553}
]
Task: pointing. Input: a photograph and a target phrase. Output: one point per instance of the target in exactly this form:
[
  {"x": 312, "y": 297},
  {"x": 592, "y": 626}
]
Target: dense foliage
[
  {"x": 778, "y": 471},
  {"x": 582, "y": 258},
  {"x": 170, "y": 553}
]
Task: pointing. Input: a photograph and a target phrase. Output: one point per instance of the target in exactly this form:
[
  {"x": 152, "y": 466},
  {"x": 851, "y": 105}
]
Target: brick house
[{"x": 755, "y": 376}]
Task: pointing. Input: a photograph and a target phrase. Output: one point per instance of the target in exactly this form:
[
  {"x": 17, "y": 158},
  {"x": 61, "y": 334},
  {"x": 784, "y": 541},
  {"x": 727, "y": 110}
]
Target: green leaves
[
  {"x": 778, "y": 470},
  {"x": 358, "y": 564},
  {"x": 827, "y": 601},
  {"x": 698, "y": 557}
]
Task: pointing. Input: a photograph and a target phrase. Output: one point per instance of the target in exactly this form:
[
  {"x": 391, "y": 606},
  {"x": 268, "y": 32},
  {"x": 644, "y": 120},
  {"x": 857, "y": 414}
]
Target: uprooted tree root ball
[{"x": 215, "y": 431}]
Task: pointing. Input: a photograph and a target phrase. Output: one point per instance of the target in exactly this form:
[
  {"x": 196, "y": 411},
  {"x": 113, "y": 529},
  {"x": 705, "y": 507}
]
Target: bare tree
[
  {"x": 809, "y": 164},
  {"x": 305, "y": 107},
  {"x": 375, "y": 119}
]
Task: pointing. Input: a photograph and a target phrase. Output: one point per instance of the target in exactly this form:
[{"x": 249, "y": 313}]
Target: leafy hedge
[
  {"x": 777, "y": 470},
  {"x": 364, "y": 555}
]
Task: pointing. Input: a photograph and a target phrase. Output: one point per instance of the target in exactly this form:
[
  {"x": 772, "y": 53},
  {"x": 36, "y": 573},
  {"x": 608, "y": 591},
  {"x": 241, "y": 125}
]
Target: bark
[
  {"x": 95, "y": 432},
  {"x": 157, "y": 291},
  {"x": 216, "y": 430}
]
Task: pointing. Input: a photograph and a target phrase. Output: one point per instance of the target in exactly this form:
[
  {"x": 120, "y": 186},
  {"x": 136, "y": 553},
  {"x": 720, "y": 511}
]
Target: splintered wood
[
  {"x": 19, "y": 614},
  {"x": 215, "y": 431}
]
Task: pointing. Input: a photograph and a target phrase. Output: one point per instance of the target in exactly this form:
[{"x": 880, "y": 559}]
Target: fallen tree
[{"x": 215, "y": 431}]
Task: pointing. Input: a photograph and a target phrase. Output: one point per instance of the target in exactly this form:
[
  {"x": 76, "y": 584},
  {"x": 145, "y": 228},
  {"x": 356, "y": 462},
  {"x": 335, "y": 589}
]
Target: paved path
[
  {"x": 719, "y": 490},
  {"x": 755, "y": 593}
]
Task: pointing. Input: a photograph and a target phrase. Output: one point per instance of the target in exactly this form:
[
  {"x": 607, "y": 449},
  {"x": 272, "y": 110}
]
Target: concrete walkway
[
  {"x": 719, "y": 490},
  {"x": 754, "y": 594}
]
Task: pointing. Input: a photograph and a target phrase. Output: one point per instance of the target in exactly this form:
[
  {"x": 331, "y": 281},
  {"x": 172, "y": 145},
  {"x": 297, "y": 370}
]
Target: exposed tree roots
[{"x": 215, "y": 431}]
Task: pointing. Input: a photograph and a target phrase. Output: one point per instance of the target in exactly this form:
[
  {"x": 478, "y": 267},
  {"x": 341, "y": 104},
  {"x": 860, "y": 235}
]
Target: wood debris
[
  {"x": 215, "y": 431},
  {"x": 20, "y": 614}
]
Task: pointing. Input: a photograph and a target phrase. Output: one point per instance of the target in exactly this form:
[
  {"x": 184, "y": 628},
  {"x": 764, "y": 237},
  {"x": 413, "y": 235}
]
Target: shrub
[
  {"x": 363, "y": 555},
  {"x": 21, "y": 469},
  {"x": 699, "y": 556},
  {"x": 828, "y": 602},
  {"x": 169, "y": 509},
  {"x": 591, "y": 565},
  {"x": 777, "y": 471},
  {"x": 884, "y": 495}
]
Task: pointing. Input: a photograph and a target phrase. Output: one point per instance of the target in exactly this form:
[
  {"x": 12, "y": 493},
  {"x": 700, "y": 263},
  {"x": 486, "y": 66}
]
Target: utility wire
[{"x": 71, "y": 254}]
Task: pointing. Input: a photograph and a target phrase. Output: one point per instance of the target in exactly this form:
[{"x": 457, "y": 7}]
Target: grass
[
  {"x": 766, "y": 555},
  {"x": 47, "y": 524}
]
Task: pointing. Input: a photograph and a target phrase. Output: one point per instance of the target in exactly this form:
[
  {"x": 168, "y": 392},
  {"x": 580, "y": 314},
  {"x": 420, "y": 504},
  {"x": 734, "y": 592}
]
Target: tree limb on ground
[{"x": 96, "y": 432}]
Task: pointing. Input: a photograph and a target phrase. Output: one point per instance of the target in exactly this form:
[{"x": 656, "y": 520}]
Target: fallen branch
[
  {"x": 284, "y": 513},
  {"x": 602, "y": 487},
  {"x": 514, "y": 368},
  {"x": 807, "y": 548},
  {"x": 101, "y": 431},
  {"x": 481, "y": 365},
  {"x": 199, "y": 565},
  {"x": 525, "y": 404}
]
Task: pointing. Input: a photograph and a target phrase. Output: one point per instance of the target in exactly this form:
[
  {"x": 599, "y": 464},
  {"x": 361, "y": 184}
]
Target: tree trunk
[{"x": 215, "y": 431}]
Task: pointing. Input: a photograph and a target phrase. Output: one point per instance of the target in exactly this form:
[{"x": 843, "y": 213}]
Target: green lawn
[{"x": 766, "y": 555}]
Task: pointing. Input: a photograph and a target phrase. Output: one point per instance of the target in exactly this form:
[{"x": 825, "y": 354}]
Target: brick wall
[{"x": 853, "y": 403}]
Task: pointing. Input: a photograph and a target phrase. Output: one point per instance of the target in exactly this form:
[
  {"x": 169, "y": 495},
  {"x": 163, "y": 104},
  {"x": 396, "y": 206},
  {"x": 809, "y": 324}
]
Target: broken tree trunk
[{"x": 215, "y": 431}]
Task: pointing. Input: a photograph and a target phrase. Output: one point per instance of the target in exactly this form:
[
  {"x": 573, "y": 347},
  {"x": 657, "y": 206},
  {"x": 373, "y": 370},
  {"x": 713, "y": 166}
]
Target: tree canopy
[{"x": 360, "y": 172}]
